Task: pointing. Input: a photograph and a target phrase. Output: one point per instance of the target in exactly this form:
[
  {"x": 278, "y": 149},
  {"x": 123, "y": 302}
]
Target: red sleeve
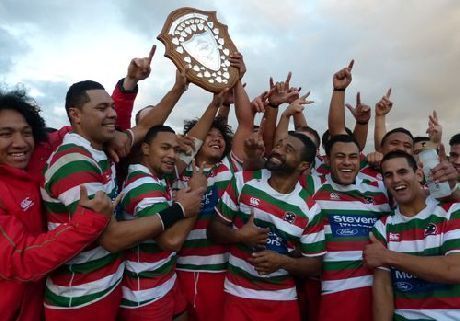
[
  {"x": 27, "y": 258},
  {"x": 124, "y": 103}
]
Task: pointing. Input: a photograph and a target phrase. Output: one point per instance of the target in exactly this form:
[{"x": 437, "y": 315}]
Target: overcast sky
[{"x": 412, "y": 46}]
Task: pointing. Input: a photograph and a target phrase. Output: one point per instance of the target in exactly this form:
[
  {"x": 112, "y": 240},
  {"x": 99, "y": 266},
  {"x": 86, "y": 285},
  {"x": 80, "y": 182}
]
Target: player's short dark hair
[
  {"x": 308, "y": 153},
  {"x": 315, "y": 134},
  {"x": 326, "y": 136},
  {"x": 339, "y": 139},
  {"x": 400, "y": 154},
  {"x": 396, "y": 130},
  {"x": 154, "y": 130},
  {"x": 77, "y": 94},
  {"x": 454, "y": 140}
]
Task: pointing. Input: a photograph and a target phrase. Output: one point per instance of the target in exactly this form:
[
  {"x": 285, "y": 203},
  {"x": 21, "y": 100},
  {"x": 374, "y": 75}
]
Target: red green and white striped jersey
[
  {"x": 434, "y": 231},
  {"x": 349, "y": 213},
  {"x": 149, "y": 270},
  {"x": 95, "y": 272},
  {"x": 199, "y": 254},
  {"x": 294, "y": 223}
]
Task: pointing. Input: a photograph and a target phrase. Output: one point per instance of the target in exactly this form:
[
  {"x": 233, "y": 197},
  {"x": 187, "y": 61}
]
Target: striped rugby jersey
[
  {"x": 349, "y": 213},
  {"x": 95, "y": 272},
  {"x": 433, "y": 231},
  {"x": 149, "y": 270},
  {"x": 199, "y": 254},
  {"x": 294, "y": 223}
]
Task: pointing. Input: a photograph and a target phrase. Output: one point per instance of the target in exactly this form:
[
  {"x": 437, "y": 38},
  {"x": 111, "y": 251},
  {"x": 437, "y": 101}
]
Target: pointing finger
[
  {"x": 358, "y": 99},
  {"x": 152, "y": 53},
  {"x": 350, "y": 108},
  {"x": 388, "y": 93},
  {"x": 350, "y": 65},
  {"x": 288, "y": 79}
]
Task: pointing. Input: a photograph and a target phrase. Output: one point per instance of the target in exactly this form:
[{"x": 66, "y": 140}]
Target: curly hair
[
  {"x": 20, "y": 102},
  {"x": 221, "y": 125}
]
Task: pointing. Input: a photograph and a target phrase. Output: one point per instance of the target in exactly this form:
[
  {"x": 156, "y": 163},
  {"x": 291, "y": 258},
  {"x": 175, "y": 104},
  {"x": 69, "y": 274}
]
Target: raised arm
[
  {"x": 362, "y": 114},
  {"x": 336, "y": 117},
  {"x": 295, "y": 108},
  {"x": 280, "y": 93},
  {"x": 382, "y": 108},
  {"x": 126, "y": 89},
  {"x": 158, "y": 114}
]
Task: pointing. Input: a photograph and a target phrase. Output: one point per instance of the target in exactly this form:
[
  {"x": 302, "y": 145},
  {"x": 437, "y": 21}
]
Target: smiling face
[
  {"x": 285, "y": 156},
  {"x": 16, "y": 139},
  {"x": 401, "y": 180},
  {"x": 213, "y": 147},
  {"x": 161, "y": 153},
  {"x": 344, "y": 162},
  {"x": 95, "y": 120}
]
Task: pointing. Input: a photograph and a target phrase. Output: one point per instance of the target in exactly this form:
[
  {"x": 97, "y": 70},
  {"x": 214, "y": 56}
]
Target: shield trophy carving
[{"x": 199, "y": 44}]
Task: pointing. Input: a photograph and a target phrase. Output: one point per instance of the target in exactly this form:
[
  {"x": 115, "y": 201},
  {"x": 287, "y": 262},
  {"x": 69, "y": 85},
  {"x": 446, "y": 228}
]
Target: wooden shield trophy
[{"x": 199, "y": 44}]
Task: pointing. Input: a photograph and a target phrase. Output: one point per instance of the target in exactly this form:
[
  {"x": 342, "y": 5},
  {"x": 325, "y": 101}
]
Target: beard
[{"x": 278, "y": 165}]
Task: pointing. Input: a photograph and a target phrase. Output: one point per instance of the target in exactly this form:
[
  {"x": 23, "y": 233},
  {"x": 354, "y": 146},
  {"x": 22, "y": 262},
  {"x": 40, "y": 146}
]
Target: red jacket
[
  {"x": 27, "y": 252},
  {"x": 124, "y": 103}
]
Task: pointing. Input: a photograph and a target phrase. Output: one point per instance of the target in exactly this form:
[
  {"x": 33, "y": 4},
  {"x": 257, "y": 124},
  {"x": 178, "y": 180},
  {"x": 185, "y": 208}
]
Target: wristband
[
  {"x": 362, "y": 122},
  {"x": 335, "y": 89},
  {"x": 273, "y": 106},
  {"x": 171, "y": 215}
]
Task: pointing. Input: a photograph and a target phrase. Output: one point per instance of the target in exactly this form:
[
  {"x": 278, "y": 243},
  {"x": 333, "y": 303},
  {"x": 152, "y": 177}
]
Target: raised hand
[
  {"x": 297, "y": 106},
  {"x": 236, "y": 61},
  {"x": 384, "y": 105},
  {"x": 281, "y": 92},
  {"x": 260, "y": 102},
  {"x": 342, "y": 78},
  {"x": 190, "y": 200},
  {"x": 361, "y": 112},
  {"x": 374, "y": 253},
  {"x": 219, "y": 98},
  {"x": 434, "y": 129},
  {"x": 374, "y": 159},
  {"x": 198, "y": 179},
  {"x": 100, "y": 203},
  {"x": 254, "y": 147},
  {"x": 186, "y": 144},
  {"x": 181, "y": 82},
  {"x": 444, "y": 171},
  {"x": 139, "y": 68},
  {"x": 251, "y": 235}
]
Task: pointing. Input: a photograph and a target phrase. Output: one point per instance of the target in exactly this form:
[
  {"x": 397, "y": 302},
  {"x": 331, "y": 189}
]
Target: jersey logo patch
[
  {"x": 254, "y": 201},
  {"x": 394, "y": 237},
  {"x": 289, "y": 217},
  {"x": 26, "y": 204},
  {"x": 335, "y": 196},
  {"x": 430, "y": 229}
]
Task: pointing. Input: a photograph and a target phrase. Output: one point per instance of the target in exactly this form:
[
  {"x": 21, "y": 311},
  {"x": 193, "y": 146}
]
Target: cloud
[{"x": 410, "y": 46}]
